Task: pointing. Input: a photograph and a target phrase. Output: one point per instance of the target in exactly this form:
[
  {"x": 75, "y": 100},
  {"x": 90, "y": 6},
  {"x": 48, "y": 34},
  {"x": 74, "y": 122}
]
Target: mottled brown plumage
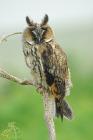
[{"x": 48, "y": 63}]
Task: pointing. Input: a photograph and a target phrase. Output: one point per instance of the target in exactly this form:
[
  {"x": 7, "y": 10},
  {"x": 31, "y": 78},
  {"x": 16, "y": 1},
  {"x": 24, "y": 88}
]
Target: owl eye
[
  {"x": 44, "y": 30},
  {"x": 44, "y": 27},
  {"x": 48, "y": 34},
  {"x": 34, "y": 35}
]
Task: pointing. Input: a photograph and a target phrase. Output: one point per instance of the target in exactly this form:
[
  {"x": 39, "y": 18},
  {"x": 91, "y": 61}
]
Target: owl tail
[{"x": 63, "y": 109}]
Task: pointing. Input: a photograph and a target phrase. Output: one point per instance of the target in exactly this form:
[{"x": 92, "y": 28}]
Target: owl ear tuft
[
  {"x": 29, "y": 22},
  {"x": 45, "y": 20}
]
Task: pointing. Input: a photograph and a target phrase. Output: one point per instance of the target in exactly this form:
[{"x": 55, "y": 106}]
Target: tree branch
[
  {"x": 2, "y": 39},
  {"x": 10, "y": 77}
]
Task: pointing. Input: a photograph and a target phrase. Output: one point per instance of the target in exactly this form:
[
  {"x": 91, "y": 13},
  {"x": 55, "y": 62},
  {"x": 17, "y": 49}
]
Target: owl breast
[{"x": 34, "y": 62}]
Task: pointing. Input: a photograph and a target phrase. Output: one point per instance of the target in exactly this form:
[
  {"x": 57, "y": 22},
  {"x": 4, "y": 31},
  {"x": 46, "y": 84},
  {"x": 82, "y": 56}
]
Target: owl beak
[
  {"x": 39, "y": 40},
  {"x": 38, "y": 35}
]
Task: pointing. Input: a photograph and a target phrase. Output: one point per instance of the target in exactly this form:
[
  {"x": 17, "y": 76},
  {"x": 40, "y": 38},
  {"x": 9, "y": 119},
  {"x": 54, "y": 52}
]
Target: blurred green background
[{"x": 21, "y": 107}]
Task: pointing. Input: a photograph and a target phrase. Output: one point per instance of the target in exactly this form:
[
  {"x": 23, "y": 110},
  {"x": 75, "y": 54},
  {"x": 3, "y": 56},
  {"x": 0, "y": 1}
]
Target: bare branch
[
  {"x": 10, "y": 77},
  {"x": 2, "y": 39}
]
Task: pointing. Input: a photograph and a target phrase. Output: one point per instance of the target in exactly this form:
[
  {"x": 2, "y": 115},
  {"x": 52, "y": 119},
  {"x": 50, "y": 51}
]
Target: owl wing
[
  {"x": 56, "y": 70},
  {"x": 57, "y": 78}
]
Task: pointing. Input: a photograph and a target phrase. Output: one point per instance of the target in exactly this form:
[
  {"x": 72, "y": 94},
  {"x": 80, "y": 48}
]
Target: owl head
[{"x": 38, "y": 33}]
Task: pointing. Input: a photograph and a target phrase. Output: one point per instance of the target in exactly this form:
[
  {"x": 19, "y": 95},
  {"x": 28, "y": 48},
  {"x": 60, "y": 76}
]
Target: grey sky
[{"x": 13, "y": 12}]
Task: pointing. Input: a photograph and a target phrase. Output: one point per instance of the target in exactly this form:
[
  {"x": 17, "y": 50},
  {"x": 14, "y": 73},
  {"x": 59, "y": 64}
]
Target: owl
[{"x": 48, "y": 63}]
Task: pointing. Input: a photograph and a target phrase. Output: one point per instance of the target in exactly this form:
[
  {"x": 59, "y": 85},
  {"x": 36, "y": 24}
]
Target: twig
[
  {"x": 7, "y": 36},
  {"x": 10, "y": 77}
]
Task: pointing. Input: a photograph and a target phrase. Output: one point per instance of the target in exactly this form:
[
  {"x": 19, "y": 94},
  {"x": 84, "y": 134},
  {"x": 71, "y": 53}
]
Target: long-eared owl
[{"x": 48, "y": 63}]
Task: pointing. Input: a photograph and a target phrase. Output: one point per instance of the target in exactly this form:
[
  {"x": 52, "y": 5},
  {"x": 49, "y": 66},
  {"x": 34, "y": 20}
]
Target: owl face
[{"x": 38, "y": 33}]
